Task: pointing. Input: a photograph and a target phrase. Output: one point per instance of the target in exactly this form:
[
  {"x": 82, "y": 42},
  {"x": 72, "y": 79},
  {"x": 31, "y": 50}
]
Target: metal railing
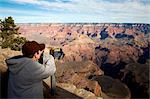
[{"x": 53, "y": 85}]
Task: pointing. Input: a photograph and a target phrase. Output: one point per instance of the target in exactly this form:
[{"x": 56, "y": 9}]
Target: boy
[{"x": 26, "y": 73}]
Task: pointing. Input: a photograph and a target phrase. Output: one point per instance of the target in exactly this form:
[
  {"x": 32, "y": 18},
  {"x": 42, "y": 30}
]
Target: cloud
[
  {"x": 27, "y": 1},
  {"x": 111, "y": 9},
  {"x": 90, "y": 6}
]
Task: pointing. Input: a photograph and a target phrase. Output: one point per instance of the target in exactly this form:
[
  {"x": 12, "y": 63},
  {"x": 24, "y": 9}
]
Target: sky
[{"x": 76, "y": 11}]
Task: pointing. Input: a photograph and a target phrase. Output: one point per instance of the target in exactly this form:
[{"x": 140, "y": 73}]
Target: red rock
[{"x": 77, "y": 73}]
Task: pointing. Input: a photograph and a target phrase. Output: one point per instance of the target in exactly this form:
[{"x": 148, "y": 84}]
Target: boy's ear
[{"x": 36, "y": 54}]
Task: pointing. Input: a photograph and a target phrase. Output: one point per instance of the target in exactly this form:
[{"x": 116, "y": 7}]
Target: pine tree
[{"x": 9, "y": 34}]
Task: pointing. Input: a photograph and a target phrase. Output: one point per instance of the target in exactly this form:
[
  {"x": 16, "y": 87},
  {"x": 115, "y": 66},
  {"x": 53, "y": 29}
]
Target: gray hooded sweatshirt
[{"x": 26, "y": 75}]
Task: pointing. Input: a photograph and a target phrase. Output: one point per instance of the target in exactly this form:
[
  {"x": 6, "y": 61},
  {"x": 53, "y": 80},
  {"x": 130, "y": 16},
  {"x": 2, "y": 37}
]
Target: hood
[{"x": 15, "y": 64}]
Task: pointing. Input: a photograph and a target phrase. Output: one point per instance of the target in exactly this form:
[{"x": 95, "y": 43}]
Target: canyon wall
[{"x": 120, "y": 50}]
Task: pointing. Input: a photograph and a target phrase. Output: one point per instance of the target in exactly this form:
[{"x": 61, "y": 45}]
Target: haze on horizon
[{"x": 76, "y": 11}]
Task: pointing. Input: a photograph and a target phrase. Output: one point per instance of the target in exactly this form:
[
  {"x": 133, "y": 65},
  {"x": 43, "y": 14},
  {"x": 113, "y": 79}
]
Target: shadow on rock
[{"x": 113, "y": 88}]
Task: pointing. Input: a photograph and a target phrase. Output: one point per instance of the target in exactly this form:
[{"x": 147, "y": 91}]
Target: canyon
[{"x": 97, "y": 56}]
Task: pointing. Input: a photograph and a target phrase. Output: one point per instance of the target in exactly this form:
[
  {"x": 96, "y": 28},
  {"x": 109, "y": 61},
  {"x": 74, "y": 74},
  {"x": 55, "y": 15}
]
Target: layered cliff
[{"x": 117, "y": 49}]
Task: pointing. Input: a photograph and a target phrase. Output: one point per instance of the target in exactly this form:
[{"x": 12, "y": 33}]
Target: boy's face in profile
[{"x": 38, "y": 54}]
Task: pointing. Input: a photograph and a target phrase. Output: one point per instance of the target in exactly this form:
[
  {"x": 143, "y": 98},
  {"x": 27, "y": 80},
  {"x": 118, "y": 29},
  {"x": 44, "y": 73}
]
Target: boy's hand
[
  {"x": 47, "y": 56},
  {"x": 46, "y": 51}
]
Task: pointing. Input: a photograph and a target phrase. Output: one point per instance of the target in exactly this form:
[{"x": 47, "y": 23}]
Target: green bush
[
  {"x": 14, "y": 44},
  {"x": 17, "y": 43}
]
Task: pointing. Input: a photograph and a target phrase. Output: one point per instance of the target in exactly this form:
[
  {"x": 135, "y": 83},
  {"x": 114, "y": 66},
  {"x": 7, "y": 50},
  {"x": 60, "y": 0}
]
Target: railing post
[{"x": 53, "y": 85}]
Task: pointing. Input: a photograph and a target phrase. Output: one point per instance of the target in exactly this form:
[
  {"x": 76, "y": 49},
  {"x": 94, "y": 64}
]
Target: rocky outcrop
[
  {"x": 113, "y": 88},
  {"x": 82, "y": 48},
  {"x": 114, "y": 53},
  {"x": 125, "y": 53},
  {"x": 80, "y": 92},
  {"x": 140, "y": 71},
  {"x": 79, "y": 74},
  {"x": 136, "y": 76},
  {"x": 4, "y": 54}
]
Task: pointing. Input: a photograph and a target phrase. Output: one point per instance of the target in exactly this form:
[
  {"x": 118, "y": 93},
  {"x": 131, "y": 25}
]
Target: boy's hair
[{"x": 31, "y": 47}]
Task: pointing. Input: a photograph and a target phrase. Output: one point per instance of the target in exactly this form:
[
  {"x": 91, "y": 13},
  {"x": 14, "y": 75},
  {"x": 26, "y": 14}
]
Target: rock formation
[
  {"x": 135, "y": 76},
  {"x": 78, "y": 74},
  {"x": 80, "y": 49},
  {"x": 88, "y": 48},
  {"x": 4, "y": 54},
  {"x": 113, "y": 88},
  {"x": 80, "y": 92}
]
